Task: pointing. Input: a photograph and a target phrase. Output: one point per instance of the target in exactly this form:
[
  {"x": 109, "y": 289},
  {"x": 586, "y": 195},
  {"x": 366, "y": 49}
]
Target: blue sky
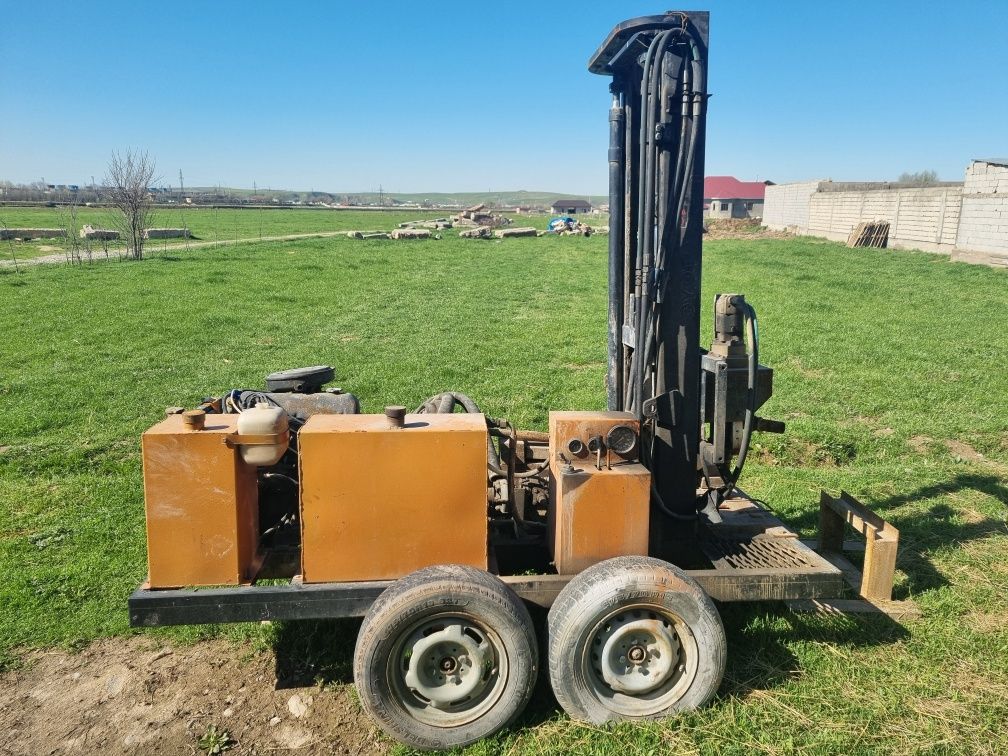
[{"x": 472, "y": 97}]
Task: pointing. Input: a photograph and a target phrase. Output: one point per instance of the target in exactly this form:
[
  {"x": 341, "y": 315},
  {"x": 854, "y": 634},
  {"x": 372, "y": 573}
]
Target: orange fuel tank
[
  {"x": 595, "y": 513},
  {"x": 202, "y": 505},
  {"x": 379, "y": 501}
]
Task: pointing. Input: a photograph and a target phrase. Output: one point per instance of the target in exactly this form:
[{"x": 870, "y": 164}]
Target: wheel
[
  {"x": 634, "y": 638},
  {"x": 446, "y": 656}
]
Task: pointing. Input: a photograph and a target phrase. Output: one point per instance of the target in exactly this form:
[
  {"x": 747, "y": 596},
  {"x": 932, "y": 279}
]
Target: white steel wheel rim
[
  {"x": 448, "y": 670},
  {"x": 639, "y": 660}
]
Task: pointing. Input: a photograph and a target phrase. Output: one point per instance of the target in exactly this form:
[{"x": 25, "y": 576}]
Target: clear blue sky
[{"x": 472, "y": 96}]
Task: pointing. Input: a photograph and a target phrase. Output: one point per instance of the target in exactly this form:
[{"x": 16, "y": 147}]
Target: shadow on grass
[
  {"x": 314, "y": 651},
  {"x": 759, "y": 658},
  {"x": 923, "y": 532},
  {"x": 759, "y": 636}
]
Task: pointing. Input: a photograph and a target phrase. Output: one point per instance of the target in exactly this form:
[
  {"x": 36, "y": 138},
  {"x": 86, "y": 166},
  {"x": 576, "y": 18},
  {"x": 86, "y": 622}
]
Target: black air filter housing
[{"x": 306, "y": 380}]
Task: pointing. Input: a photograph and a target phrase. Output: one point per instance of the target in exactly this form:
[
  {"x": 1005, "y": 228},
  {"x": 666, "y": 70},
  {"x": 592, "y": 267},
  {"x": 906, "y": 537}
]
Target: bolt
[
  {"x": 636, "y": 654},
  {"x": 396, "y": 416},
  {"x": 194, "y": 419}
]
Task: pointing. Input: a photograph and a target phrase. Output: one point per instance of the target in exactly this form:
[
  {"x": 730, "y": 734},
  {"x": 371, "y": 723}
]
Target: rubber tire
[
  {"x": 428, "y": 592},
  {"x": 630, "y": 580}
]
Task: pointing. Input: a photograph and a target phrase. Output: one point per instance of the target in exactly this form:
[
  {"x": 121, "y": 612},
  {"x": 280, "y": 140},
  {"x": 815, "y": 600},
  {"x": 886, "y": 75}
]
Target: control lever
[
  {"x": 596, "y": 445},
  {"x": 768, "y": 426}
]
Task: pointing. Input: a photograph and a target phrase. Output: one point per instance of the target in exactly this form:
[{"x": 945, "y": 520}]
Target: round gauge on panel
[{"x": 621, "y": 439}]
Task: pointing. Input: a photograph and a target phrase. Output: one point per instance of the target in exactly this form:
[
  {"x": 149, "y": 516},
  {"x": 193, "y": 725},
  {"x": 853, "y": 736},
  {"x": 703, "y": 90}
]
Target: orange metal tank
[
  {"x": 595, "y": 514},
  {"x": 379, "y": 501},
  {"x": 202, "y": 505}
]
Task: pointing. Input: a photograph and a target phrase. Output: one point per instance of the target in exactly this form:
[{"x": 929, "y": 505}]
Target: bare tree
[
  {"x": 129, "y": 178},
  {"x": 921, "y": 178},
  {"x": 10, "y": 242},
  {"x": 70, "y": 223}
]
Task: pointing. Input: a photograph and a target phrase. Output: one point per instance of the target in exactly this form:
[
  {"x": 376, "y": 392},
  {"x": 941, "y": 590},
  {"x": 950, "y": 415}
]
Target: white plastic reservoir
[{"x": 263, "y": 420}]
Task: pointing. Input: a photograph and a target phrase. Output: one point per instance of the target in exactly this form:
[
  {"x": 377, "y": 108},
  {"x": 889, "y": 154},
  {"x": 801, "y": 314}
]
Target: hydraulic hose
[
  {"x": 664, "y": 194},
  {"x": 444, "y": 403}
]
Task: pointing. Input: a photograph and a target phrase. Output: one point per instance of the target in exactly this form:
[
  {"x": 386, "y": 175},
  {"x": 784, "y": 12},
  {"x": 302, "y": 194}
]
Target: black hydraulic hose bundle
[{"x": 664, "y": 191}]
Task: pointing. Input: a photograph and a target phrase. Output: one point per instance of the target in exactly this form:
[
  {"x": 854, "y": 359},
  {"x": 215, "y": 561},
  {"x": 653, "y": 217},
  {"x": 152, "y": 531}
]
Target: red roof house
[{"x": 727, "y": 197}]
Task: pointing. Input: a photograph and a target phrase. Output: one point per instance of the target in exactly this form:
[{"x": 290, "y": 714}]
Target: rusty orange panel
[
  {"x": 595, "y": 514},
  {"x": 379, "y": 502},
  {"x": 202, "y": 505},
  {"x": 563, "y": 426}
]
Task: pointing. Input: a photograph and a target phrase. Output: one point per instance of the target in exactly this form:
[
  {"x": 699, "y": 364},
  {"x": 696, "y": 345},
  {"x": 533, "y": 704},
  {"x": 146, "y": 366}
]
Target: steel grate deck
[{"x": 759, "y": 554}]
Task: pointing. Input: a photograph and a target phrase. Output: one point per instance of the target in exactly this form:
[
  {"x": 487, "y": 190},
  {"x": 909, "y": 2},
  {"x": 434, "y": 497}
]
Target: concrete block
[
  {"x": 507, "y": 233},
  {"x": 167, "y": 233},
  {"x": 411, "y": 233},
  {"x": 32, "y": 233}
]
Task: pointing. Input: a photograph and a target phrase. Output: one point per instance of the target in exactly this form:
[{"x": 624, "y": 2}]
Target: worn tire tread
[
  {"x": 576, "y": 601},
  {"x": 405, "y": 602}
]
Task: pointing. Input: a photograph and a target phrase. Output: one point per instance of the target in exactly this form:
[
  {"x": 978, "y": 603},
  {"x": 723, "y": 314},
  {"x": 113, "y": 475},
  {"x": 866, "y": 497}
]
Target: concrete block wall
[
  {"x": 983, "y": 225},
  {"x": 972, "y": 216},
  {"x": 926, "y": 218},
  {"x": 787, "y": 205}
]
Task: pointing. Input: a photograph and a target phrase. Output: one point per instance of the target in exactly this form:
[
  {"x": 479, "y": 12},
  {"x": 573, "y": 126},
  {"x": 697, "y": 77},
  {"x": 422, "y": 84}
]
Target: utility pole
[
  {"x": 181, "y": 200},
  {"x": 381, "y": 196}
]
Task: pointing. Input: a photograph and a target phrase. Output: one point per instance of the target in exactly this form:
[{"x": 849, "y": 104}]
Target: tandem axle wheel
[{"x": 447, "y": 655}]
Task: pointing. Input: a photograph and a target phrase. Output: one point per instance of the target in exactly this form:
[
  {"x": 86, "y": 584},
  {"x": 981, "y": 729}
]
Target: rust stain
[
  {"x": 379, "y": 502},
  {"x": 595, "y": 514},
  {"x": 202, "y": 505}
]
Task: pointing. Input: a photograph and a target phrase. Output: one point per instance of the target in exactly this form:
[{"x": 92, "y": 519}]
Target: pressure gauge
[{"x": 621, "y": 439}]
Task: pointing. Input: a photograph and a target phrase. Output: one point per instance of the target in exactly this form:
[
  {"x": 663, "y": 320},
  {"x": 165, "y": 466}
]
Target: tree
[
  {"x": 921, "y": 178},
  {"x": 129, "y": 178}
]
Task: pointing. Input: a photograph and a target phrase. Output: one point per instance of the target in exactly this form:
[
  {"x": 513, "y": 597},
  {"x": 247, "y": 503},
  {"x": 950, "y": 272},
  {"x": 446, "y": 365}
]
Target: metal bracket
[
  {"x": 666, "y": 408},
  {"x": 234, "y": 440}
]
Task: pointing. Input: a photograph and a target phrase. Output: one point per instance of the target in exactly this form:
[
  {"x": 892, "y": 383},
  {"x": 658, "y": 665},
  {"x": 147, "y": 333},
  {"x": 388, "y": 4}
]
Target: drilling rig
[{"x": 442, "y": 526}]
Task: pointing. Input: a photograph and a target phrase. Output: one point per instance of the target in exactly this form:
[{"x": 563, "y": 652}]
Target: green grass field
[
  {"x": 218, "y": 226},
  {"x": 891, "y": 372}
]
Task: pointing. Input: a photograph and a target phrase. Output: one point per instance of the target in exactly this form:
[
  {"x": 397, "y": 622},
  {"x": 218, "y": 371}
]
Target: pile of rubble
[
  {"x": 478, "y": 215},
  {"x": 480, "y": 232},
  {"x": 739, "y": 228},
  {"x": 567, "y": 226}
]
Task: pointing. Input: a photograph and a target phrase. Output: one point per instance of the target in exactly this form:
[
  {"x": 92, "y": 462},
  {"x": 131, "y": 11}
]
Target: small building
[
  {"x": 571, "y": 206},
  {"x": 727, "y": 197}
]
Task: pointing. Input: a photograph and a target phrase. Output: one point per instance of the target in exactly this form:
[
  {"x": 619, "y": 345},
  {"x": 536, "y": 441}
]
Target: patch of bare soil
[
  {"x": 920, "y": 444},
  {"x": 740, "y": 228},
  {"x": 137, "y": 696},
  {"x": 966, "y": 452}
]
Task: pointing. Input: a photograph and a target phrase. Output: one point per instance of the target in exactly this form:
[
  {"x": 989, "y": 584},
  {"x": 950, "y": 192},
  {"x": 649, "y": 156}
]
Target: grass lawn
[
  {"x": 227, "y": 224},
  {"x": 892, "y": 374}
]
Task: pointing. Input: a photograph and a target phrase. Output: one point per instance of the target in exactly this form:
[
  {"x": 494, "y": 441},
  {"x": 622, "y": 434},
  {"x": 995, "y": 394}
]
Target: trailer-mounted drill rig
[{"x": 441, "y": 525}]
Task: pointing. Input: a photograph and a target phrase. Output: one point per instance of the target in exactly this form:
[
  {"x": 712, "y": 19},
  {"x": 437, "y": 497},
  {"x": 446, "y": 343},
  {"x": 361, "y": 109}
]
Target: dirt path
[
  {"x": 139, "y": 696},
  {"x": 61, "y": 257}
]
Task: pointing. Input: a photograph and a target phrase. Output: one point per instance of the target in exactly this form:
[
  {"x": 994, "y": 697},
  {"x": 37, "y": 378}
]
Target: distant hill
[{"x": 519, "y": 198}]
